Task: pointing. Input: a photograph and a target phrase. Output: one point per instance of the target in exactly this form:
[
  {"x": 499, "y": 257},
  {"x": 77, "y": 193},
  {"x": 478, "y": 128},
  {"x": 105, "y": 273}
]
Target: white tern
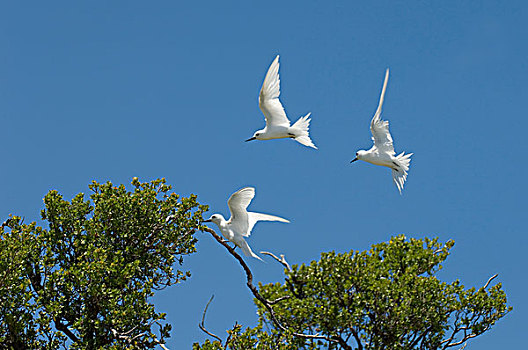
[
  {"x": 241, "y": 221},
  {"x": 277, "y": 123},
  {"x": 382, "y": 153}
]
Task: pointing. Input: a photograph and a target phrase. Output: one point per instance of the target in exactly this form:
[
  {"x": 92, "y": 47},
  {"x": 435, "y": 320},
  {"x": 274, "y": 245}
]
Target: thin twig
[
  {"x": 464, "y": 339},
  {"x": 202, "y": 324},
  {"x": 282, "y": 260},
  {"x": 265, "y": 302},
  {"x": 279, "y": 299},
  {"x": 448, "y": 342},
  {"x": 129, "y": 339},
  {"x": 490, "y": 279}
]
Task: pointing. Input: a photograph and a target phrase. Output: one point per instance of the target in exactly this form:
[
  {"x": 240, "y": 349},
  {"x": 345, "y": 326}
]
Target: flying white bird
[
  {"x": 241, "y": 221},
  {"x": 277, "y": 123},
  {"x": 382, "y": 153}
]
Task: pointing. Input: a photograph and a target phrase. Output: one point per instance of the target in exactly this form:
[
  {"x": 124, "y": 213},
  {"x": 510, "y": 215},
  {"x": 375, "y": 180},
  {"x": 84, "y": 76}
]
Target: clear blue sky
[{"x": 111, "y": 90}]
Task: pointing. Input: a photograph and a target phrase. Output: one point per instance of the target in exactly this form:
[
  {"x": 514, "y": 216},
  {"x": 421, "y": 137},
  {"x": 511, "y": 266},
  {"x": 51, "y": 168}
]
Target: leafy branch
[{"x": 267, "y": 303}]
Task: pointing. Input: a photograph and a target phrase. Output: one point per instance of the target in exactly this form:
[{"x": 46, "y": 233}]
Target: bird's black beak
[
  {"x": 353, "y": 160},
  {"x": 251, "y": 139},
  {"x": 206, "y": 221}
]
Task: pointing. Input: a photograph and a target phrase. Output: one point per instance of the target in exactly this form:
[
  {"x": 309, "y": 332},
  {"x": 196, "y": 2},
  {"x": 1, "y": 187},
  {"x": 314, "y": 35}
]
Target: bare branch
[
  {"x": 490, "y": 279},
  {"x": 449, "y": 342},
  {"x": 162, "y": 346},
  {"x": 202, "y": 324},
  {"x": 279, "y": 299},
  {"x": 282, "y": 259},
  {"x": 125, "y": 335},
  {"x": 265, "y": 302},
  {"x": 466, "y": 337},
  {"x": 129, "y": 339}
]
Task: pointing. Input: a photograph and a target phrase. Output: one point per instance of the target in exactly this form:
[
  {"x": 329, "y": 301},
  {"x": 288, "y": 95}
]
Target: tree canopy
[
  {"x": 384, "y": 298},
  {"x": 86, "y": 280}
]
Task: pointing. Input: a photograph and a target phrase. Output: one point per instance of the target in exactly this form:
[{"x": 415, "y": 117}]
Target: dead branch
[
  {"x": 202, "y": 324},
  {"x": 490, "y": 279},
  {"x": 282, "y": 260}
]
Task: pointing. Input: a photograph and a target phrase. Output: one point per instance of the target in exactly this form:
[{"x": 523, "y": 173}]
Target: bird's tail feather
[
  {"x": 399, "y": 176},
  {"x": 303, "y": 125},
  {"x": 247, "y": 250}
]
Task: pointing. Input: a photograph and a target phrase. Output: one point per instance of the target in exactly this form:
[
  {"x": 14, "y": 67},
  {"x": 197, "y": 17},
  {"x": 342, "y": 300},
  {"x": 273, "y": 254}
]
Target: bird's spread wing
[
  {"x": 238, "y": 203},
  {"x": 254, "y": 217},
  {"x": 380, "y": 128},
  {"x": 269, "y": 101}
]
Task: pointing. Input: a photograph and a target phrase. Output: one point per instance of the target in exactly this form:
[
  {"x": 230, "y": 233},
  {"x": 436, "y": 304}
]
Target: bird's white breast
[
  {"x": 378, "y": 158},
  {"x": 227, "y": 232},
  {"x": 275, "y": 132}
]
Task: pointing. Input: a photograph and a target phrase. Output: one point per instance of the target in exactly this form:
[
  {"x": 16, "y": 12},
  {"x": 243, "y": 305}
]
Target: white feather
[{"x": 241, "y": 221}]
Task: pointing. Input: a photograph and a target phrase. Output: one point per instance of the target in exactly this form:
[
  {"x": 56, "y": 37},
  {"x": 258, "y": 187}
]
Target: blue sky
[{"x": 112, "y": 90}]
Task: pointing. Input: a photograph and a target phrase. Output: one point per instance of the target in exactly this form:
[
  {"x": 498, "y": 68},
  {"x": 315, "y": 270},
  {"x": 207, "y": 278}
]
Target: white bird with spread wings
[
  {"x": 241, "y": 221},
  {"x": 277, "y": 123},
  {"x": 382, "y": 153}
]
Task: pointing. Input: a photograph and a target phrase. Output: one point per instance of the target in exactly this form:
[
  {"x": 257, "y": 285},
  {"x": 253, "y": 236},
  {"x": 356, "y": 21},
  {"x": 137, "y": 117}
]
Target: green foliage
[
  {"x": 86, "y": 280},
  {"x": 256, "y": 338},
  {"x": 18, "y": 328},
  {"x": 385, "y": 298}
]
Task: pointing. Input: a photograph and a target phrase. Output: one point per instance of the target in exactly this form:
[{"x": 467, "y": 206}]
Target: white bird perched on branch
[
  {"x": 241, "y": 221},
  {"x": 277, "y": 123},
  {"x": 382, "y": 153}
]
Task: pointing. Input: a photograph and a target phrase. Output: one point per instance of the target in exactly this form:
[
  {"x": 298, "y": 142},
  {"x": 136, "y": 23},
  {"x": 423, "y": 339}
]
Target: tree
[
  {"x": 86, "y": 280},
  {"x": 385, "y": 298}
]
